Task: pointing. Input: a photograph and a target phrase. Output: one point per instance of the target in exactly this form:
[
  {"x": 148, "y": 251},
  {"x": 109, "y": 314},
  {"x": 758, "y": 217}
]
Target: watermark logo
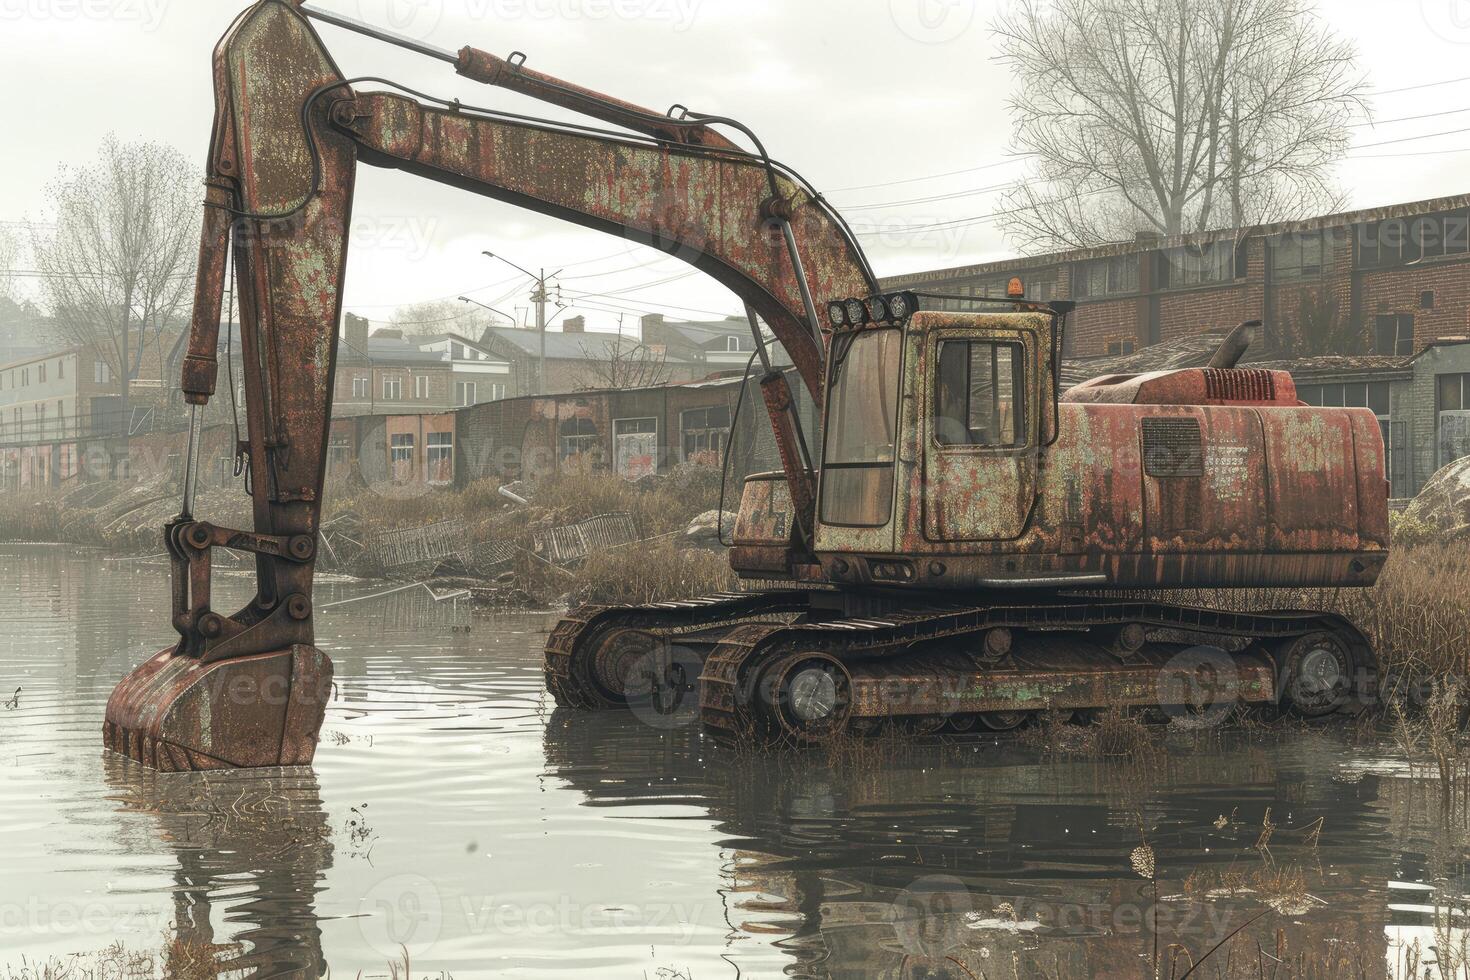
[
  {"x": 404, "y": 911},
  {"x": 1199, "y": 687},
  {"x": 933, "y": 21},
  {"x": 411, "y": 18},
  {"x": 1448, "y": 19}
]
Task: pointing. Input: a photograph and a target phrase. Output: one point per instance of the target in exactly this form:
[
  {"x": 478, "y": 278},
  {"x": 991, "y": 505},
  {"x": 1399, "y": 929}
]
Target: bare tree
[
  {"x": 621, "y": 362},
  {"x": 117, "y": 258},
  {"x": 1173, "y": 116},
  {"x": 440, "y": 316}
]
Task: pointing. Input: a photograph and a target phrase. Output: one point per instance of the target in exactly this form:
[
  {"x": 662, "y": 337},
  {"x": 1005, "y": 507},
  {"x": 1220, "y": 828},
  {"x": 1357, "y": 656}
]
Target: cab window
[
  {"x": 862, "y": 429},
  {"x": 979, "y": 394}
]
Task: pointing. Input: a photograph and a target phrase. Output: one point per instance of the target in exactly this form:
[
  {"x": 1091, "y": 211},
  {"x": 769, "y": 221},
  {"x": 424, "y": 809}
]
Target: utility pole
[{"x": 540, "y": 297}]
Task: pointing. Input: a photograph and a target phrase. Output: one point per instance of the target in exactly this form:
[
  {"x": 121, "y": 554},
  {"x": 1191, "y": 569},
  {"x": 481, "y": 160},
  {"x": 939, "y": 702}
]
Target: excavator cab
[{"x": 934, "y": 430}]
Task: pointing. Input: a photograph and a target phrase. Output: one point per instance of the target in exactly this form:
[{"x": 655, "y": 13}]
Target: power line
[
  {"x": 1427, "y": 115},
  {"x": 1411, "y": 139},
  {"x": 930, "y": 200},
  {"x": 1415, "y": 88},
  {"x": 952, "y": 173}
]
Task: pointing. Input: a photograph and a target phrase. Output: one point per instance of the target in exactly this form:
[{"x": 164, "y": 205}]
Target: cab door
[{"x": 980, "y": 438}]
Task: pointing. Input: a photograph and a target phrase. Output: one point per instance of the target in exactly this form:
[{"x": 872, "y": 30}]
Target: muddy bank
[{"x": 577, "y": 538}]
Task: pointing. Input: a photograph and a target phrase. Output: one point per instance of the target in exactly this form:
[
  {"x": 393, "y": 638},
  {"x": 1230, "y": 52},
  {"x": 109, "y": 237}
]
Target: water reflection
[
  {"x": 251, "y": 851},
  {"x": 974, "y": 858},
  {"x": 526, "y": 842}
]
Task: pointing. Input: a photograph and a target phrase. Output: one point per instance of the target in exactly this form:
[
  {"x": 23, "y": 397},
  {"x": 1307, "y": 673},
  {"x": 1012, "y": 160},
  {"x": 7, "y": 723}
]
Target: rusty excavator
[{"x": 963, "y": 546}]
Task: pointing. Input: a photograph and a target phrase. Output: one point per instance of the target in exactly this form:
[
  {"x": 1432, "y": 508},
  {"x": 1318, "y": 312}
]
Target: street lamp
[
  {"x": 540, "y": 298},
  {"x": 486, "y": 306}
]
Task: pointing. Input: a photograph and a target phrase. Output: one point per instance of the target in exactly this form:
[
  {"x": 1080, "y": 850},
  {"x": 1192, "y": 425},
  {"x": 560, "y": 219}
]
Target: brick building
[{"x": 1388, "y": 281}]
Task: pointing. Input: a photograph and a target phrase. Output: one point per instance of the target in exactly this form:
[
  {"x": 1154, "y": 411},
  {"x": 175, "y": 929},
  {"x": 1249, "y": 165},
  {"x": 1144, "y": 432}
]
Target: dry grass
[
  {"x": 177, "y": 960},
  {"x": 652, "y": 573}
]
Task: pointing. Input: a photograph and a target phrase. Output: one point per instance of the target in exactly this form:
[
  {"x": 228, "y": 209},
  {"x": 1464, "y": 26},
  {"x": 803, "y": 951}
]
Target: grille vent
[
  {"x": 1172, "y": 447},
  {"x": 1240, "y": 385}
]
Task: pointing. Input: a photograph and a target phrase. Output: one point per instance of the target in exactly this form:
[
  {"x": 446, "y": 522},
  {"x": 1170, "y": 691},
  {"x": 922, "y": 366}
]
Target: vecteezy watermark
[
  {"x": 148, "y": 14},
  {"x": 408, "y": 912},
  {"x": 933, "y": 21},
  {"x": 1449, "y": 19}
]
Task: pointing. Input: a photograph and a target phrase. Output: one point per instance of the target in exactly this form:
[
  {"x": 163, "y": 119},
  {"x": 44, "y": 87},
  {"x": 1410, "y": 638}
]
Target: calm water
[{"x": 452, "y": 811}]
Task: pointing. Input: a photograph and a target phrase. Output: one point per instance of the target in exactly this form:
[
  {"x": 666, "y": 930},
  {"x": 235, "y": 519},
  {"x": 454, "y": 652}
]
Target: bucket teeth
[{"x": 176, "y": 714}]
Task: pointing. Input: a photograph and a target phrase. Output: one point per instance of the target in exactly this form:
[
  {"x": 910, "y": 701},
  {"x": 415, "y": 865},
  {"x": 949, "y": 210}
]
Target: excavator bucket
[{"x": 176, "y": 714}]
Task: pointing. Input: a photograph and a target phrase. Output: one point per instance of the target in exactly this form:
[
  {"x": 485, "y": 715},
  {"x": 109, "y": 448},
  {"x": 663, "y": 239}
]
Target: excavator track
[
  {"x": 736, "y": 706},
  {"x": 575, "y": 643}
]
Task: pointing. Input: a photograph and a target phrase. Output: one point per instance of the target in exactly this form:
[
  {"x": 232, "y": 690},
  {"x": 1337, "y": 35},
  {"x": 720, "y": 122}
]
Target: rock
[
  {"x": 706, "y": 527},
  {"x": 1442, "y": 508}
]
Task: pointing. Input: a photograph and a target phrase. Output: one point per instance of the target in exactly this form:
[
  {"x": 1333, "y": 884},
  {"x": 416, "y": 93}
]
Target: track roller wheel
[
  {"x": 1317, "y": 673},
  {"x": 808, "y": 696},
  {"x": 1003, "y": 721}
]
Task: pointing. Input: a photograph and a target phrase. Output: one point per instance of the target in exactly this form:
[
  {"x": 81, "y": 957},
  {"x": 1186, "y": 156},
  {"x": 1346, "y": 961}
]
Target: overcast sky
[{"x": 874, "y": 101}]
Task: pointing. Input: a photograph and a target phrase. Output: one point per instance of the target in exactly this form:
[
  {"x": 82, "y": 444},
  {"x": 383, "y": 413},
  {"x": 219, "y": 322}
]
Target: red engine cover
[{"x": 1190, "y": 386}]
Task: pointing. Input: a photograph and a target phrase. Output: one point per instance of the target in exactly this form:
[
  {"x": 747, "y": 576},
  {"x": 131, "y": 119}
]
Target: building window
[
  {"x": 360, "y": 386},
  {"x": 1296, "y": 257},
  {"x": 101, "y": 373},
  {"x": 576, "y": 436},
  {"x": 40, "y": 373},
  {"x": 465, "y": 393},
  {"x": 421, "y": 386},
  {"x": 704, "y": 432},
  {"x": 1454, "y": 417},
  {"x": 61, "y": 370},
  {"x": 25, "y": 377},
  {"x": 635, "y": 448},
  {"x": 400, "y": 455},
  {"x": 1395, "y": 334},
  {"x": 1197, "y": 265},
  {"x": 732, "y": 344},
  {"x": 1397, "y": 241},
  {"x": 392, "y": 389},
  {"x": 439, "y": 457},
  {"x": 1119, "y": 346},
  {"x": 1105, "y": 277},
  {"x": 339, "y": 454},
  {"x": 497, "y": 392}
]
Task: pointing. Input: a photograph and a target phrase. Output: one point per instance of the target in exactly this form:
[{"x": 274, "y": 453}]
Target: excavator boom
[{"x": 289, "y": 132}]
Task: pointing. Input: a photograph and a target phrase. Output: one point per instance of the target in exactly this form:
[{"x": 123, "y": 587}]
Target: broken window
[
  {"x": 979, "y": 394},
  {"x": 400, "y": 456},
  {"x": 704, "y": 432},
  {"x": 439, "y": 457},
  {"x": 575, "y": 437},
  {"x": 1395, "y": 334}
]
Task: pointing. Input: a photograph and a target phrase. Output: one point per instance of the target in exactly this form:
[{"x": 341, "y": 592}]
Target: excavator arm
[{"x": 289, "y": 132}]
